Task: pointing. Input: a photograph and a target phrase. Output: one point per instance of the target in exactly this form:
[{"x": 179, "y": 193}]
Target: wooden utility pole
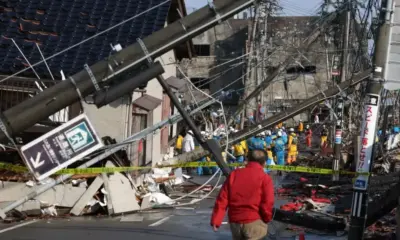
[
  {"x": 359, "y": 207},
  {"x": 340, "y": 100}
]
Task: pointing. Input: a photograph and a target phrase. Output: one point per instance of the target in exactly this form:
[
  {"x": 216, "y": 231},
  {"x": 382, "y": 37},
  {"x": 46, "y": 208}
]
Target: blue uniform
[
  {"x": 200, "y": 169},
  {"x": 250, "y": 143},
  {"x": 268, "y": 140},
  {"x": 284, "y": 138},
  {"x": 279, "y": 149},
  {"x": 257, "y": 144}
]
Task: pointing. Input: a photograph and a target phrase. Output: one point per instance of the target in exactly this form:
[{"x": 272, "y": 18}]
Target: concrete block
[
  {"x": 123, "y": 196},
  {"x": 146, "y": 202},
  {"x": 87, "y": 196},
  {"x": 61, "y": 195},
  {"x": 30, "y": 208},
  {"x": 108, "y": 197}
]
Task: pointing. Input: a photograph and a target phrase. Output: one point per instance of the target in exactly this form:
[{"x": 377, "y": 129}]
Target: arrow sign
[
  {"x": 61, "y": 147},
  {"x": 36, "y": 162}
]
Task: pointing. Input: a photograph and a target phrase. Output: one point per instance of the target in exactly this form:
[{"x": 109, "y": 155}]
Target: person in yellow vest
[
  {"x": 178, "y": 144},
  {"x": 301, "y": 127},
  {"x": 292, "y": 146},
  {"x": 324, "y": 137}
]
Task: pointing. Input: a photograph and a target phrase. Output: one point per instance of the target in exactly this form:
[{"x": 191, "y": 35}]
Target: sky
[{"x": 290, "y": 7}]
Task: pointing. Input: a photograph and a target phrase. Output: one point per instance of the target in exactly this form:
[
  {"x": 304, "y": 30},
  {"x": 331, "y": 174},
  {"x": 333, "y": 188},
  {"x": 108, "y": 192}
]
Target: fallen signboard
[{"x": 61, "y": 147}]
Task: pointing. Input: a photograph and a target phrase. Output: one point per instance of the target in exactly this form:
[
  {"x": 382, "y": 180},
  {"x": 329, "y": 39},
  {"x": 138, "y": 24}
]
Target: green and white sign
[
  {"x": 61, "y": 147},
  {"x": 79, "y": 137}
]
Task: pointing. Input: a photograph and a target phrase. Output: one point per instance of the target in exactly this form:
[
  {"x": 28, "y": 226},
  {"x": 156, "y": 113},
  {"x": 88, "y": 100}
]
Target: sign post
[{"x": 61, "y": 147}]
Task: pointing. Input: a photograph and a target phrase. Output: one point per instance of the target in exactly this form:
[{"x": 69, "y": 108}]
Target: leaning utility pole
[
  {"x": 359, "y": 205},
  {"x": 340, "y": 101},
  {"x": 251, "y": 81}
]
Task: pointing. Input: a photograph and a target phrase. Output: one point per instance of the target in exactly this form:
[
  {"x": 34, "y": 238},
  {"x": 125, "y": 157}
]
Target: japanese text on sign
[{"x": 367, "y": 140}]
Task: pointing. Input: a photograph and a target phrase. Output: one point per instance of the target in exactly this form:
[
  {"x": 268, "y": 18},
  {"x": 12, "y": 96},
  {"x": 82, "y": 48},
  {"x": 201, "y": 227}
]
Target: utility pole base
[{"x": 359, "y": 208}]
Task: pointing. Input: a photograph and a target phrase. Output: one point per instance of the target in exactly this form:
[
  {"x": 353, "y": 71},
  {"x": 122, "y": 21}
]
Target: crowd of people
[{"x": 280, "y": 144}]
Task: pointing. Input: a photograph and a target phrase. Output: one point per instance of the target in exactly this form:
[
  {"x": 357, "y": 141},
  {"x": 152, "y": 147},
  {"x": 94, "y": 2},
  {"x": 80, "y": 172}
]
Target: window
[{"x": 202, "y": 50}]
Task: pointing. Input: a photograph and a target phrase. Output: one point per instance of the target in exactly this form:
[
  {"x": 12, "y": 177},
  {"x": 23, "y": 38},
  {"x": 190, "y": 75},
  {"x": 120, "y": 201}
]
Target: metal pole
[
  {"x": 340, "y": 101},
  {"x": 172, "y": 120},
  {"x": 359, "y": 207},
  {"x": 52, "y": 100},
  {"x": 295, "y": 110}
]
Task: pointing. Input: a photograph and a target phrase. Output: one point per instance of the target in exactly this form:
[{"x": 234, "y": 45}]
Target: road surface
[{"x": 190, "y": 222}]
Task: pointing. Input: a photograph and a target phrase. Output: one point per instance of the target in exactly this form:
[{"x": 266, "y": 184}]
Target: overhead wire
[{"x": 86, "y": 40}]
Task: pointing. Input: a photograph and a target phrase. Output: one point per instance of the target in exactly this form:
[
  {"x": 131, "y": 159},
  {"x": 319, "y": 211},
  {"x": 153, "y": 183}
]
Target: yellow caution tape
[{"x": 99, "y": 170}]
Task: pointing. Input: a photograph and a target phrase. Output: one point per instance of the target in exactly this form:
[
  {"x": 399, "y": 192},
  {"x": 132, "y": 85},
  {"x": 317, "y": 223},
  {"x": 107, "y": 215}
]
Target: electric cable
[{"x": 87, "y": 39}]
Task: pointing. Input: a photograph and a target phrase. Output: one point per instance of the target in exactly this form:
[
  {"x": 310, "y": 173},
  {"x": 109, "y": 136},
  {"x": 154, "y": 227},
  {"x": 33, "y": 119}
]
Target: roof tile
[{"x": 56, "y": 25}]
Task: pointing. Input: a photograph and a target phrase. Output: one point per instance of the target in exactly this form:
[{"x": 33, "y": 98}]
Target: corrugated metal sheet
[{"x": 55, "y": 25}]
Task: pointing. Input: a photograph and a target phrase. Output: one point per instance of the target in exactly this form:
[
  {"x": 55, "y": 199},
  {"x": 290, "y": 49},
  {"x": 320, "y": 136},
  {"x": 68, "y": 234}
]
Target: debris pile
[{"x": 99, "y": 194}]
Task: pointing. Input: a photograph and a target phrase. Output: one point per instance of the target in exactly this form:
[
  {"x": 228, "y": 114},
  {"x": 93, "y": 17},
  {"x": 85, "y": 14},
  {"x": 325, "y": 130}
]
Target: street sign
[
  {"x": 368, "y": 131},
  {"x": 61, "y": 147}
]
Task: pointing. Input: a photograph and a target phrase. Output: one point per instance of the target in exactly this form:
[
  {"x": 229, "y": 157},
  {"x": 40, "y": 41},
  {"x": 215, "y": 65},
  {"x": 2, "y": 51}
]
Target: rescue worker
[
  {"x": 244, "y": 146},
  {"x": 188, "y": 145},
  {"x": 270, "y": 156},
  {"x": 250, "y": 143},
  {"x": 188, "y": 142},
  {"x": 258, "y": 143},
  {"x": 178, "y": 144},
  {"x": 200, "y": 170},
  {"x": 268, "y": 138},
  {"x": 394, "y": 139},
  {"x": 279, "y": 149},
  {"x": 308, "y": 136},
  {"x": 324, "y": 137},
  {"x": 316, "y": 119},
  {"x": 301, "y": 127},
  {"x": 248, "y": 195},
  {"x": 239, "y": 152},
  {"x": 292, "y": 146},
  {"x": 284, "y": 135}
]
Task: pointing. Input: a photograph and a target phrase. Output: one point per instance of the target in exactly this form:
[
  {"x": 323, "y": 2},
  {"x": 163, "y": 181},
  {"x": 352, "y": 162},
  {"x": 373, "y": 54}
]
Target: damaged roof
[{"x": 56, "y": 25}]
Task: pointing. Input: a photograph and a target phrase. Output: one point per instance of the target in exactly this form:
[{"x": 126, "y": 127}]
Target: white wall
[
  {"x": 154, "y": 89},
  {"x": 111, "y": 120}
]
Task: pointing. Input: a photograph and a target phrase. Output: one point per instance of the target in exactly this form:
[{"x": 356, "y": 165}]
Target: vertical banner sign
[
  {"x": 368, "y": 130},
  {"x": 61, "y": 147},
  {"x": 339, "y": 120}
]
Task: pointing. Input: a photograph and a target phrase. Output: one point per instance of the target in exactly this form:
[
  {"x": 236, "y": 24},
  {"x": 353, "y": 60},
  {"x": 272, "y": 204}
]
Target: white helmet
[
  {"x": 308, "y": 126},
  {"x": 283, "y": 128},
  {"x": 291, "y": 130},
  {"x": 190, "y": 131},
  {"x": 268, "y": 132},
  {"x": 215, "y": 134},
  {"x": 279, "y": 134},
  {"x": 262, "y": 133},
  {"x": 203, "y": 133},
  {"x": 235, "y": 131},
  {"x": 259, "y": 126}
]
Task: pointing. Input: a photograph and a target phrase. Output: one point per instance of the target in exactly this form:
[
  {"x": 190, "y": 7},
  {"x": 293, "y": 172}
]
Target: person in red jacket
[{"x": 248, "y": 194}]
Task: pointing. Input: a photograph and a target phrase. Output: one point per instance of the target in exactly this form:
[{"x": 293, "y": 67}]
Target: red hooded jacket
[{"x": 248, "y": 194}]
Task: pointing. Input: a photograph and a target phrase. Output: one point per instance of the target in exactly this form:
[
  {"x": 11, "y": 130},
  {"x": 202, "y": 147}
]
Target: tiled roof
[{"x": 58, "y": 24}]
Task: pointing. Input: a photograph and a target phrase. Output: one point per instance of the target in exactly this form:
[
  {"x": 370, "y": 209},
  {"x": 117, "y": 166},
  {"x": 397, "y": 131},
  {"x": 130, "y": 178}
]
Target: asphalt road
[{"x": 190, "y": 222}]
